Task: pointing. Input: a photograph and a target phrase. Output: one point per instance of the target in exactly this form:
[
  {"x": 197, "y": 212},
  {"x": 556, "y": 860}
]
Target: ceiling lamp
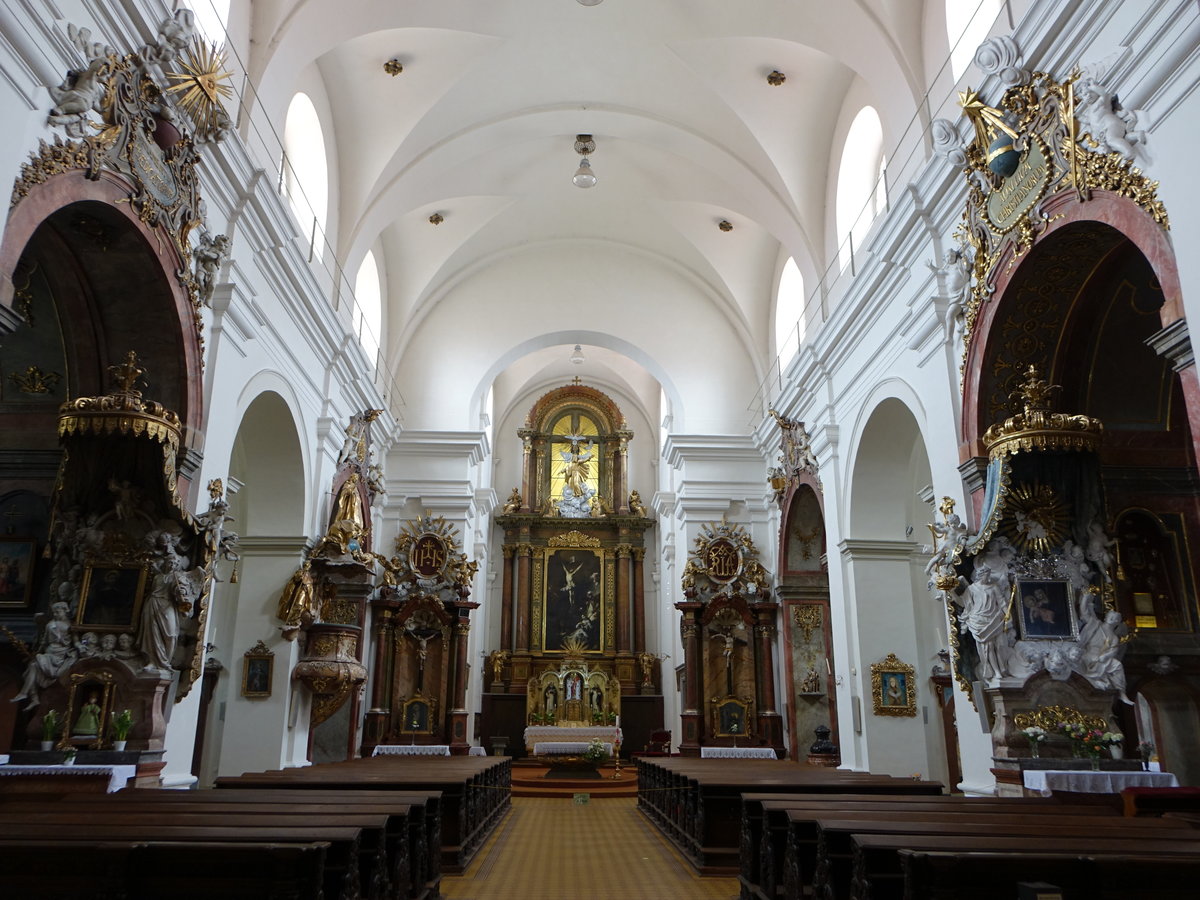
[
  {"x": 589, "y": 2},
  {"x": 584, "y": 176},
  {"x": 577, "y": 353}
]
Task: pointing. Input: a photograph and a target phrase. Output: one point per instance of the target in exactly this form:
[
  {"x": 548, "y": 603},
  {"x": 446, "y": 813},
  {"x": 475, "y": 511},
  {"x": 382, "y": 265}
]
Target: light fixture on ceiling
[
  {"x": 725, "y": 225},
  {"x": 775, "y": 78},
  {"x": 393, "y": 67},
  {"x": 584, "y": 176},
  {"x": 577, "y": 353},
  {"x": 437, "y": 219},
  {"x": 589, "y": 2}
]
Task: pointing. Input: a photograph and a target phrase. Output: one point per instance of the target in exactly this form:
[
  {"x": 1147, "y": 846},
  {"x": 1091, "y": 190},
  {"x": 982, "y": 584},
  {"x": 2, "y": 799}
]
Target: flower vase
[
  {"x": 47, "y": 745},
  {"x": 1116, "y": 751},
  {"x": 119, "y": 746},
  {"x": 1095, "y": 763},
  {"x": 1033, "y": 750}
]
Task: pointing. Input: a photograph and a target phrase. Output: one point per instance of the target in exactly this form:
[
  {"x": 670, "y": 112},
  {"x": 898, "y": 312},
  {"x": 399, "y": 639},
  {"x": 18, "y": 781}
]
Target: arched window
[
  {"x": 861, "y": 193},
  {"x": 211, "y": 18},
  {"x": 368, "y": 293},
  {"x": 305, "y": 171},
  {"x": 967, "y": 24},
  {"x": 789, "y": 311}
]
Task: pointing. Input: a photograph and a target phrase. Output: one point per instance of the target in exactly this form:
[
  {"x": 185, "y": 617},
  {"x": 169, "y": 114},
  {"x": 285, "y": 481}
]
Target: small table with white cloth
[
  {"x": 536, "y": 734},
  {"x": 566, "y": 748},
  {"x": 737, "y": 753},
  {"x": 476, "y": 751},
  {"x": 412, "y": 750},
  {"x": 1047, "y": 781},
  {"x": 118, "y": 776}
]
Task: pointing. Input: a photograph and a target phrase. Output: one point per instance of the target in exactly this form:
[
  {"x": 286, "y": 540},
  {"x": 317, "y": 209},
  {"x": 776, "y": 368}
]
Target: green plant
[
  {"x": 50, "y": 724},
  {"x": 596, "y": 751},
  {"x": 121, "y": 723}
]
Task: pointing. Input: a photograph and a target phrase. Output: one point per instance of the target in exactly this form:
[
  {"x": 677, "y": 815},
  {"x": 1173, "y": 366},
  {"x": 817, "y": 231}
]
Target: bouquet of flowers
[
  {"x": 1112, "y": 738},
  {"x": 1093, "y": 742},
  {"x": 1035, "y": 735},
  {"x": 596, "y": 751},
  {"x": 1145, "y": 750}
]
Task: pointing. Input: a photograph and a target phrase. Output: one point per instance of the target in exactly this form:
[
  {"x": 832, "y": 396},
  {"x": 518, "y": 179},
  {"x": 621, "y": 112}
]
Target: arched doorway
[
  {"x": 889, "y": 493},
  {"x": 268, "y": 497}
]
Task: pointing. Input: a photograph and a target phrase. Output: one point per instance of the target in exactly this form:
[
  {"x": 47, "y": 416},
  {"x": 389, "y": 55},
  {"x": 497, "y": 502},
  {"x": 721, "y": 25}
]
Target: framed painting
[
  {"x": 573, "y": 603},
  {"x": 110, "y": 597},
  {"x": 731, "y": 717},
  {"x": 17, "y": 556},
  {"x": 258, "y": 672},
  {"x": 893, "y": 687},
  {"x": 1046, "y": 610},
  {"x": 89, "y": 708}
]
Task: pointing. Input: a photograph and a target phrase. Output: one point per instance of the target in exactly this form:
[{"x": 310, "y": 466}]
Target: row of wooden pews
[
  {"x": 697, "y": 803},
  {"x": 476, "y": 791},
  {"x": 371, "y": 829},
  {"x": 833, "y": 835}
]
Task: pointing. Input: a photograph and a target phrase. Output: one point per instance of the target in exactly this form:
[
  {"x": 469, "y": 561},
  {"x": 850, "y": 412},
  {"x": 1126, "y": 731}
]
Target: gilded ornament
[
  {"x": 893, "y": 687},
  {"x": 200, "y": 88},
  {"x": 1050, "y": 717},
  {"x": 34, "y": 381},
  {"x": 1036, "y": 428},
  {"x": 573, "y": 539},
  {"x": 808, "y": 619}
]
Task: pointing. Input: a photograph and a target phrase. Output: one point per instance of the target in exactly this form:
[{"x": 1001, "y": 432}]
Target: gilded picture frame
[
  {"x": 91, "y": 689},
  {"x": 110, "y": 598},
  {"x": 893, "y": 687},
  {"x": 258, "y": 672},
  {"x": 18, "y": 558},
  {"x": 575, "y": 599},
  {"x": 1045, "y": 610},
  {"x": 732, "y": 717},
  {"x": 418, "y": 715}
]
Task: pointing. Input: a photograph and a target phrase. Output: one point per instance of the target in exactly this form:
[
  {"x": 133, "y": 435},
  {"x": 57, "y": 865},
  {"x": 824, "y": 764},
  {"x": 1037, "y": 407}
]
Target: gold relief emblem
[
  {"x": 723, "y": 561},
  {"x": 428, "y": 556},
  {"x": 34, "y": 381},
  {"x": 808, "y": 619}
]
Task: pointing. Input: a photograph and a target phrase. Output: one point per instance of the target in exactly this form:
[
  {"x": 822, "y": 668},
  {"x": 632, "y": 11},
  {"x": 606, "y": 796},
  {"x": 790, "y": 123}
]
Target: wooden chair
[{"x": 659, "y": 743}]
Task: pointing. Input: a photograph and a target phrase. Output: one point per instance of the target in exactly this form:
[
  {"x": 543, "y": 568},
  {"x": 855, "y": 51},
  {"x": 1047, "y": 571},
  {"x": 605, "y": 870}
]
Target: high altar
[{"x": 572, "y": 643}]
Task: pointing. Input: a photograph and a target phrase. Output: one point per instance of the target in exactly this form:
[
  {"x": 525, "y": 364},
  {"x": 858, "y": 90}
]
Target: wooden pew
[
  {"x": 108, "y": 870},
  {"x": 879, "y": 873},
  {"x": 476, "y": 791},
  {"x": 342, "y": 874},
  {"x": 937, "y": 875},
  {"x": 765, "y": 825},
  {"x": 697, "y": 803},
  {"x": 834, "y": 869},
  {"x": 414, "y": 868}
]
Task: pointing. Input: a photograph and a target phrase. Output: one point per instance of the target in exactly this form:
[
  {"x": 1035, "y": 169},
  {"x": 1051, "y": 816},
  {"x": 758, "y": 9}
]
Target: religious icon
[
  {"x": 257, "y": 671},
  {"x": 1045, "y": 610},
  {"x": 111, "y": 597},
  {"x": 573, "y": 601},
  {"x": 893, "y": 688}
]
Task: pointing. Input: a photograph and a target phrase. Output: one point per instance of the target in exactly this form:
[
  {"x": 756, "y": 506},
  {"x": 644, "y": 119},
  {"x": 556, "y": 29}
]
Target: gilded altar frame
[
  {"x": 576, "y": 564},
  {"x": 83, "y": 685},
  {"x": 732, "y": 717}
]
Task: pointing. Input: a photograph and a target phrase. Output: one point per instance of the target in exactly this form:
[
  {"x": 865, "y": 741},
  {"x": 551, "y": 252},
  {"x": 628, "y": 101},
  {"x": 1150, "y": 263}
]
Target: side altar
[{"x": 572, "y": 635}]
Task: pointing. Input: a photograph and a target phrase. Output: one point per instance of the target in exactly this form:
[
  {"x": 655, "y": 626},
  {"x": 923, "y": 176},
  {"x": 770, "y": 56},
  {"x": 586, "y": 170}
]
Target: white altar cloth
[
  {"x": 118, "y": 776},
  {"x": 1083, "y": 781},
  {"x": 737, "y": 753},
  {"x": 535, "y": 734},
  {"x": 412, "y": 750},
  {"x": 476, "y": 751},
  {"x": 565, "y": 748}
]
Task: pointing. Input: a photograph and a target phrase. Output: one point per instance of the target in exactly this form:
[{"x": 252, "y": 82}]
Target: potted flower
[
  {"x": 1115, "y": 741},
  {"x": 50, "y": 725},
  {"x": 1035, "y": 735},
  {"x": 1146, "y": 752},
  {"x": 121, "y": 723},
  {"x": 596, "y": 752},
  {"x": 69, "y": 757}
]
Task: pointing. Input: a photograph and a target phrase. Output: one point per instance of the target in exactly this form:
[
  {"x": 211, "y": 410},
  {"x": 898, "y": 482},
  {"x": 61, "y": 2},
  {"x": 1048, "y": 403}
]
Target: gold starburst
[{"x": 199, "y": 88}]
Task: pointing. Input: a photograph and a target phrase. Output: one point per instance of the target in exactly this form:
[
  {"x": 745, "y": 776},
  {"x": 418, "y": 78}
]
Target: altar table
[
  {"x": 566, "y": 748},
  {"x": 535, "y": 734},
  {"x": 737, "y": 753},
  {"x": 412, "y": 750},
  {"x": 1047, "y": 781},
  {"x": 476, "y": 751},
  {"x": 118, "y": 776}
]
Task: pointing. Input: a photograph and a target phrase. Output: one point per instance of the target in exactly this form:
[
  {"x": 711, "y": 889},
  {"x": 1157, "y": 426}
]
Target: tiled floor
[{"x": 558, "y": 850}]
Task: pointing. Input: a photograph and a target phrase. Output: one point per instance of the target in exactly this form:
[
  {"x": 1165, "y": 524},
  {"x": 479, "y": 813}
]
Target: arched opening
[
  {"x": 87, "y": 287},
  {"x": 803, "y": 589},
  {"x": 892, "y": 612},
  {"x": 267, "y": 483},
  {"x": 1087, "y": 306},
  {"x": 789, "y": 311},
  {"x": 305, "y": 168},
  {"x": 368, "y": 293},
  {"x": 861, "y": 194}
]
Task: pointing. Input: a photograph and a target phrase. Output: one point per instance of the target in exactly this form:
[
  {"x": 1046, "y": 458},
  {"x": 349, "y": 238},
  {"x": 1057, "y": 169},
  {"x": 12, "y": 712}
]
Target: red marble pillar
[
  {"x": 770, "y": 725},
  {"x": 459, "y": 744},
  {"x": 524, "y": 564},
  {"x": 623, "y": 597},
  {"x": 693, "y": 714},
  {"x": 506, "y": 599},
  {"x": 639, "y": 600}
]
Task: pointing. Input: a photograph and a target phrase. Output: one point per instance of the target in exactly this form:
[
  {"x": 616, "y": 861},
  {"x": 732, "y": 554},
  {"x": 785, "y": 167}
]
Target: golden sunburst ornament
[
  {"x": 1037, "y": 519},
  {"x": 200, "y": 87}
]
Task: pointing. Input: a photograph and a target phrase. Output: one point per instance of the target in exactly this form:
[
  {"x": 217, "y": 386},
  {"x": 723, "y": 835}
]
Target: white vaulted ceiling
[{"x": 480, "y": 125}]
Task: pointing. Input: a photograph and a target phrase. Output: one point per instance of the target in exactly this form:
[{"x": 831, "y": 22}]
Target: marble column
[
  {"x": 506, "y": 599},
  {"x": 639, "y": 600},
  {"x": 524, "y": 564},
  {"x": 624, "y": 569},
  {"x": 693, "y": 714}
]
